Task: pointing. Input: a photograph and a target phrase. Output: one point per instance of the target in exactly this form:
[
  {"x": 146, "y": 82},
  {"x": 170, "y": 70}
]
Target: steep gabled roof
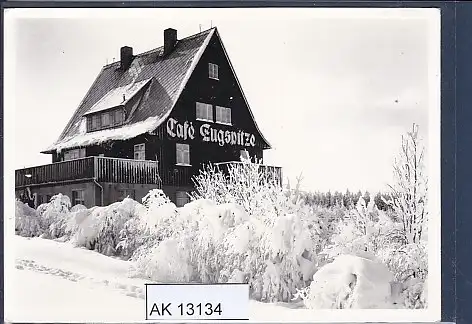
[{"x": 167, "y": 76}]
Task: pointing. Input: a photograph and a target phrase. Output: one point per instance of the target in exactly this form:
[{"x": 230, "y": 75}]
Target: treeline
[{"x": 347, "y": 199}]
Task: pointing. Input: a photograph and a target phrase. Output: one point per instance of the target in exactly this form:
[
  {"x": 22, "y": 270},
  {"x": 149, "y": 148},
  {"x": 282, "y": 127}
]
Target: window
[
  {"x": 213, "y": 71},
  {"x": 140, "y": 152},
  {"x": 118, "y": 117},
  {"x": 183, "y": 154},
  {"x": 244, "y": 155},
  {"x": 40, "y": 199},
  {"x": 223, "y": 115},
  {"x": 181, "y": 198},
  {"x": 105, "y": 119},
  {"x": 78, "y": 197},
  {"x": 74, "y": 154},
  {"x": 126, "y": 193},
  {"x": 95, "y": 122},
  {"x": 204, "y": 112}
]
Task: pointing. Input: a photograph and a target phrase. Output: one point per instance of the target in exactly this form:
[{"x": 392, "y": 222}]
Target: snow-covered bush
[
  {"x": 409, "y": 264},
  {"x": 241, "y": 226},
  {"x": 27, "y": 222},
  {"x": 361, "y": 231},
  {"x": 350, "y": 282},
  {"x": 53, "y": 216},
  {"x": 166, "y": 262},
  {"x": 150, "y": 224},
  {"x": 99, "y": 228},
  {"x": 77, "y": 208}
]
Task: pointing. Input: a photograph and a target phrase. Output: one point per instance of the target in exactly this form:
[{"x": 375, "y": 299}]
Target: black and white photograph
[{"x": 294, "y": 150}]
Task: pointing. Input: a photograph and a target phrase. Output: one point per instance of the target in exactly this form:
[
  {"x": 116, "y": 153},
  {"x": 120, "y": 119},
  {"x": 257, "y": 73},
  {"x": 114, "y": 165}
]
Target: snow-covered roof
[
  {"x": 167, "y": 76},
  {"x": 121, "y": 133},
  {"x": 117, "y": 97}
]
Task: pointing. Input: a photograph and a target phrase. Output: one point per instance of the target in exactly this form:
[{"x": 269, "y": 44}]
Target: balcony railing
[
  {"x": 101, "y": 169},
  {"x": 270, "y": 172}
]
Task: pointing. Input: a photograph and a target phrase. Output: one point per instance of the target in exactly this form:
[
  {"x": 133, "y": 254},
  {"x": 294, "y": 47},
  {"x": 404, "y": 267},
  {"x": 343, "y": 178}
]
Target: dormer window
[
  {"x": 213, "y": 71},
  {"x": 95, "y": 122},
  {"x": 118, "y": 117},
  {"x": 113, "y": 108},
  {"x": 103, "y": 120}
]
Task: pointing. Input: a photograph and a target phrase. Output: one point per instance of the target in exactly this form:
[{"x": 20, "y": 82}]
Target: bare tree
[{"x": 409, "y": 197}]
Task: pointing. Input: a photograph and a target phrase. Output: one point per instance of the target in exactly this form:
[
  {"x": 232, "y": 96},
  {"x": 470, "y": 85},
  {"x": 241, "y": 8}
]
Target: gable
[{"x": 222, "y": 94}]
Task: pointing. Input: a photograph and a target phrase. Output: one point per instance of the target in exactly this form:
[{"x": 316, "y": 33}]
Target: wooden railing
[
  {"x": 102, "y": 169},
  {"x": 126, "y": 171},
  {"x": 56, "y": 172},
  {"x": 272, "y": 172}
]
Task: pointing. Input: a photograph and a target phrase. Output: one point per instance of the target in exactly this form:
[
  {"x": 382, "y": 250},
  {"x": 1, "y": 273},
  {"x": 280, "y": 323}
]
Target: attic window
[
  {"x": 204, "y": 112},
  {"x": 213, "y": 71},
  {"x": 223, "y": 115}
]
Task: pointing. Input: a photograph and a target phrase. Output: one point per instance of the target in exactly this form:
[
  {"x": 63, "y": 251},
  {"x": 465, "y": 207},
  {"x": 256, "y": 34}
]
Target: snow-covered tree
[{"x": 409, "y": 192}]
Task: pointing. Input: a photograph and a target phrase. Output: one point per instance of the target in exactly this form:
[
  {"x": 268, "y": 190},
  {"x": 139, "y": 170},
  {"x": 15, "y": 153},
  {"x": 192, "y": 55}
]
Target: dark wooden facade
[{"x": 209, "y": 142}]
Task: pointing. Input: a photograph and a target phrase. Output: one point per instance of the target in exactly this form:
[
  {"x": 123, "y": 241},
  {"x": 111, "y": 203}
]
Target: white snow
[
  {"x": 351, "y": 282},
  {"x": 56, "y": 282},
  {"x": 50, "y": 298},
  {"x": 121, "y": 133},
  {"x": 118, "y": 96}
]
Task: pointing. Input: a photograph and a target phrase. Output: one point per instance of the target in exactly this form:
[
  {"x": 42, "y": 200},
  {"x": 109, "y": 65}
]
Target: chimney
[
  {"x": 126, "y": 57},
  {"x": 170, "y": 38}
]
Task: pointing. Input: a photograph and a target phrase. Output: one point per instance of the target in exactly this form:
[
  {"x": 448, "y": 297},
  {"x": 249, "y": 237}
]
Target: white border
[{"x": 433, "y": 312}]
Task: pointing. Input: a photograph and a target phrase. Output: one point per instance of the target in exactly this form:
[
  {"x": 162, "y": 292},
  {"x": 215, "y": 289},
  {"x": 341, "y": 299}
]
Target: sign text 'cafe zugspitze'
[{"x": 209, "y": 134}]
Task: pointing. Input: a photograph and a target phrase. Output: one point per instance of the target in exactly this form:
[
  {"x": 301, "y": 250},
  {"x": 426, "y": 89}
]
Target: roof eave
[{"x": 103, "y": 110}]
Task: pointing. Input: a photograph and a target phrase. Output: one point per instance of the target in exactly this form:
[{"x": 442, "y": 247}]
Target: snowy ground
[{"x": 55, "y": 282}]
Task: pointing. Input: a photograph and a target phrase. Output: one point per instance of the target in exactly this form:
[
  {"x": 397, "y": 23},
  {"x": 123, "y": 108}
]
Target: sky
[{"x": 333, "y": 91}]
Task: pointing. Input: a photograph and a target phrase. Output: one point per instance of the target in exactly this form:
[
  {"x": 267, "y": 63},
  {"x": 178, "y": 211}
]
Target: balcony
[
  {"x": 101, "y": 169},
  {"x": 270, "y": 172}
]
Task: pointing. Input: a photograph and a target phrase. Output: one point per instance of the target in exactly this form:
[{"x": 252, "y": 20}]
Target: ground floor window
[
  {"x": 181, "y": 198},
  {"x": 244, "y": 155},
  {"x": 78, "y": 197},
  {"x": 127, "y": 193}
]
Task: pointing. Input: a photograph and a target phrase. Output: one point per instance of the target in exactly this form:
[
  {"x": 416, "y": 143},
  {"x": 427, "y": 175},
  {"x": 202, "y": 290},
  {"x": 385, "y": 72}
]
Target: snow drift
[{"x": 351, "y": 282}]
